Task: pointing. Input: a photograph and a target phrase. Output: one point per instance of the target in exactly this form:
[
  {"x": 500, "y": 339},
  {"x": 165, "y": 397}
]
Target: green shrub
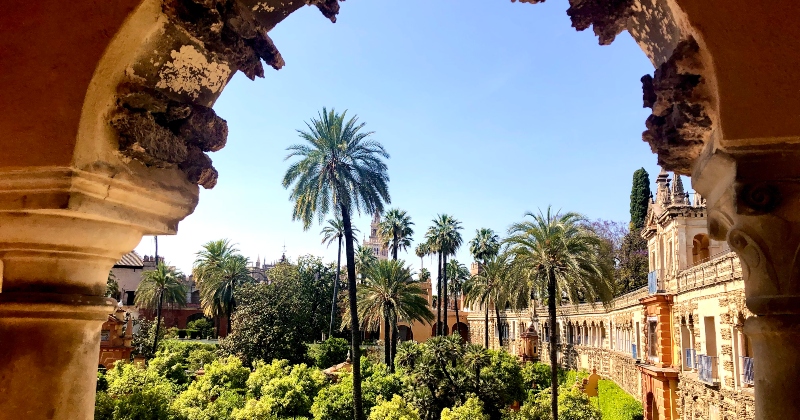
[
  {"x": 216, "y": 394},
  {"x": 203, "y": 326},
  {"x": 335, "y": 402},
  {"x": 616, "y": 404},
  {"x": 572, "y": 404},
  {"x": 472, "y": 409},
  {"x": 536, "y": 376},
  {"x": 200, "y": 357},
  {"x": 329, "y": 352},
  {"x": 289, "y": 391},
  {"x": 395, "y": 409},
  {"x": 134, "y": 393}
]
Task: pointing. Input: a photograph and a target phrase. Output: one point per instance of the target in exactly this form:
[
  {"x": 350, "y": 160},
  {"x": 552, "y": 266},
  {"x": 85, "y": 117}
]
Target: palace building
[{"x": 678, "y": 345}]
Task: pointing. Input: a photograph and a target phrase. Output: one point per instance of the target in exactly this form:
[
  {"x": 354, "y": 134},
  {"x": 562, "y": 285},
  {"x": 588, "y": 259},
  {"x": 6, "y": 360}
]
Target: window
[
  {"x": 744, "y": 358},
  {"x": 652, "y": 341},
  {"x": 130, "y": 298},
  {"x": 688, "y": 348}
]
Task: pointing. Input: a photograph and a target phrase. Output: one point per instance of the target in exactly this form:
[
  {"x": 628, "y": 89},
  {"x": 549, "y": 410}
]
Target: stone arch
[
  {"x": 462, "y": 329},
  {"x": 405, "y": 333},
  {"x": 700, "y": 248}
]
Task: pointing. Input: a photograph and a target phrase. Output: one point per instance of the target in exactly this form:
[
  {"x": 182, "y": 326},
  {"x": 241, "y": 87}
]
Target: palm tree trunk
[
  {"x": 355, "y": 338},
  {"x": 486, "y": 324},
  {"x": 457, "y": 321},
  {"x": 395, "y": 333},
  {"x": 394, "y": 243},
  {"x": 499, "y": 324},
  {"x": 551, "y": 309},
  {"x": 336, "y": 286},
  {"x": 439, "y": 297},
  {"x": 387, "y": 342},
  {"x": 158, "y": 319},
  {"x": 446, "y": 295}
]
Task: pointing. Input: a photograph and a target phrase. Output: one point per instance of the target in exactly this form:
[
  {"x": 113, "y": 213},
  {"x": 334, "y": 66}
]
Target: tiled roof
[{"x": 131, "y": 259}]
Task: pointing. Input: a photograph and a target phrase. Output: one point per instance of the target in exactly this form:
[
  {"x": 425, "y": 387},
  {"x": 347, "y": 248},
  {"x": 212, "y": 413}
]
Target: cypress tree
[{"x": 640, "y": 198}]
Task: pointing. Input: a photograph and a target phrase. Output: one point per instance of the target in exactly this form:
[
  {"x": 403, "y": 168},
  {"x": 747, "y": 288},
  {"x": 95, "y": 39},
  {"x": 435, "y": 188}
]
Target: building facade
[
  {"x": 374, "y": 242},
  {"x": 678, "y": 345}
]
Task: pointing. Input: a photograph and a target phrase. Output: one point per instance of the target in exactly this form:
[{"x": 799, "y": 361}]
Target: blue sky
[{"x": 488, "y": 109}]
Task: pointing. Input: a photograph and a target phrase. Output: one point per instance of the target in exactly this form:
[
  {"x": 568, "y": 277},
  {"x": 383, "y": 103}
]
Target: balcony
[
  {"x": 747, "y": 370},
  {"x": 634, "y": 353},
  {"x": 707, "y": 369},
  {"x": 655, "y": 282}
]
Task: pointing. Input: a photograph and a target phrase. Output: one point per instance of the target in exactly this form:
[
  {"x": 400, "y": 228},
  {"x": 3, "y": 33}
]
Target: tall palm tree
[
  {"x": 421, "y": 251},
  {"x": 484, "y": 245},
  {"x": 458, "y": 274},
  {"x": 561, "y": 257},
  {"x": 164, "y": 282},
  {"x": 395, "y": 230},
  {"x": 488, "y": 287},
  {"x": 218, "y": 271},
  {"x": 364, "y": 257},
  {"x": 340, "y": 169},
  {"x": 433, "y": 246},
  {"x": 448, "y": 239},
  {"x": 334, "y": 231},
  {"x": 389, "y": 294}
]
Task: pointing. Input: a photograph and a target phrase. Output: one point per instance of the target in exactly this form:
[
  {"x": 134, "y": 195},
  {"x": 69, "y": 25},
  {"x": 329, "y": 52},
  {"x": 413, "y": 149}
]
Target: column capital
[{"x": 753, "y": 199}]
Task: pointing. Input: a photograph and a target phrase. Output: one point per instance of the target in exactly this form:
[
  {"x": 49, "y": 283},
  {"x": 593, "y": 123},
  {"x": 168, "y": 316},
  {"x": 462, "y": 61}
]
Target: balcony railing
[
  {"x": 634, "y": 353},
  {"x": 747, "y": 370},
  {"x": 690, "y": 355},
  {"x": 655, "y": 282},
  {"x": 707, "y": 369}
]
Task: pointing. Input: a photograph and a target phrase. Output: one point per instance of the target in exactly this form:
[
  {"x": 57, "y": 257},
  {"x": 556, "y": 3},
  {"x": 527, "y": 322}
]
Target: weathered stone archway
[{"x": 107, "y": 123}]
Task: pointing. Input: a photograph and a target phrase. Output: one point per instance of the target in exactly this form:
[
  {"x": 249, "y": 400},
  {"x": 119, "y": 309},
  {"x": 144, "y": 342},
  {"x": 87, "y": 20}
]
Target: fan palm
[
  {"x": 559, "y": 256},
  {"x": 334, "y": 231},
  {"x": 424, "y": 275},
  {"x": 395, "y": 230},
  {"x": 488, "y": 287},
  {"x": 484, "y": 245},
  {"x": 341, "y": 170},
  {"x": 421, "y": 251},
  {"x": 157, "y": 285},
  {"x": 458, "y": 274},
  {"x": 365, "y": 257},
  {"x": 447, "y": 238},
  {"x": 218, "y": 271},
  {"x": 389, "y": 294}
]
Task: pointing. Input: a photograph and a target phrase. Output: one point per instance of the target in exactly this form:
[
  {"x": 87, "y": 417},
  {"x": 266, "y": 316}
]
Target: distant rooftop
[{"x": 130, "y": 260}]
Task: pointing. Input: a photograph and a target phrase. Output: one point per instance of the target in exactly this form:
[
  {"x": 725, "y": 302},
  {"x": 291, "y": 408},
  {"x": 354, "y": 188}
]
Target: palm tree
[
  {"x": 364, "y": 257},
  {"x": 162, "y": 283},
  {"x": 218, "y": 270},
  {"x": 458, "y": 274},
  {"x": 334, "y": 231},
  {"x": 395, "y": 230},
  {"x": 424, "y": 275},
  {"x": 341, "y": 170},
  {"x": 389, "y": 294},
  {"x": 488, "y": 287},
  {"x": 421, "y": 251},
  {"x": 432, "y": 244},
  {"x": 446, "y": 235},
  {"x": 484, "y": 245},
  {"x": 560, "y": 256}
]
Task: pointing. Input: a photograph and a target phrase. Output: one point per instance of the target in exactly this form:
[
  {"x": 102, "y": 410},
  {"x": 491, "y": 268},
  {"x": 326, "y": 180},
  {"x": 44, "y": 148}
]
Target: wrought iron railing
[
  {"x": 689, "y": 358},
  {"x": 747, "y": 370},
  {"x": 706, "y": 369}
]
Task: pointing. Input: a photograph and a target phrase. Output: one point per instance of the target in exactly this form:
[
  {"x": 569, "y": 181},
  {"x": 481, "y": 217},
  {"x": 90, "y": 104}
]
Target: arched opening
[
  {"x": 404, "y": 333},
  {"x": 462, "y": 329},
  {"x": 700, "y": 252},
  {"x": 435, "y": 328}
]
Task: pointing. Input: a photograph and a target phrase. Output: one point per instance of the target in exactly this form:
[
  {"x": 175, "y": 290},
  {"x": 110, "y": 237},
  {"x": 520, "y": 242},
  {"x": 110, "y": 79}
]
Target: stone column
[
  {"x": 61, "y": 231},
  {"x": 753, "y": 197}
]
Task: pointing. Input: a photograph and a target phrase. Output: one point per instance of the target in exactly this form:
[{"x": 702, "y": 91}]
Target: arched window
[{"x": 700, "y": 252}]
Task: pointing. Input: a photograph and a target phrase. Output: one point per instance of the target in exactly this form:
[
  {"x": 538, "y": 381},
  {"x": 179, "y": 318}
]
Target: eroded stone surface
[
  {"x": 164, "y": 113},
  {"x": 680, "y": 124}
]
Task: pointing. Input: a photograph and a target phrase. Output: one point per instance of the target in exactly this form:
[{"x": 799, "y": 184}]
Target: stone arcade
[{"x": 107, "y": 120}]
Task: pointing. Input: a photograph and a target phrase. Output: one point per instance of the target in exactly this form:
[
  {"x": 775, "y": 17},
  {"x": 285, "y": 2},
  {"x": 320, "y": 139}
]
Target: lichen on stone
[{"x": 190, "y": 71}]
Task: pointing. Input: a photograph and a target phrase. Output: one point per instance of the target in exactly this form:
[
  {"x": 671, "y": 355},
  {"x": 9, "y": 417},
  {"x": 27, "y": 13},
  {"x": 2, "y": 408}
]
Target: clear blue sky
[{"x": 488, "y": 109}]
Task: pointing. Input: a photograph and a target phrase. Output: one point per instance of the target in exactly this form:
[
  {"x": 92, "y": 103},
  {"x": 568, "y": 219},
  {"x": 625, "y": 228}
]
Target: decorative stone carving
[{"x": 680, "y": 124}]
